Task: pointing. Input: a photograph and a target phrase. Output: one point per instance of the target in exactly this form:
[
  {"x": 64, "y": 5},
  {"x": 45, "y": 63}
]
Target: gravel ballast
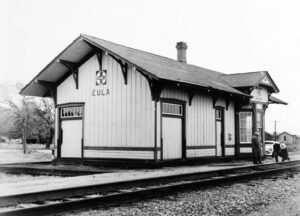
[{"x": 240, "y": 198}]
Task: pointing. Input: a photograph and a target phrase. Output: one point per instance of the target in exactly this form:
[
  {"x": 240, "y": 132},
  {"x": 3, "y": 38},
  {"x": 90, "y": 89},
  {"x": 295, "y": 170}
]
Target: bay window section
[{"x": 245, "y": 120}]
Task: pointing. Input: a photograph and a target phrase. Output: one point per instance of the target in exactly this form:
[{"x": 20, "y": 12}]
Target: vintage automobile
[{"x": 269, "y": 147}]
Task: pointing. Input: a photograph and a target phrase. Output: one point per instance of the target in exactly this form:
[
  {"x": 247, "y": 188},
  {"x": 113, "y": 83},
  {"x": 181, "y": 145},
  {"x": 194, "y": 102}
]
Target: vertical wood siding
[
  {"x": 123, "y": 118},
  {"x": 200, "y": 121}
]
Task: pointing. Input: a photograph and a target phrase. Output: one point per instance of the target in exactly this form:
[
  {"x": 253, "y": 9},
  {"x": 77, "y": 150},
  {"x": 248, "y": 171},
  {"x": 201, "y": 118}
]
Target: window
[
  {"x": 172, "y": 109},
  {"x": 284, "y": 138},
  {"x": 218, "y": 114},
  {"x": 245, "y": 127},
  {"x": 71, "y": 112}
]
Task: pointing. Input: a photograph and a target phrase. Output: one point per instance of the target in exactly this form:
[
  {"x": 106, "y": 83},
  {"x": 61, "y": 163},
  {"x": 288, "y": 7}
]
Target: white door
[
  {"x": 71, "y": 138},
  {"x": 172, "y": 137},
  {"x": 219, "y": 138}
]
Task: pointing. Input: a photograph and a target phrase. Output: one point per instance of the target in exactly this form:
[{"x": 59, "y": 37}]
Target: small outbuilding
[
  {"x": 118, "y": 103},
  {"x": 287, "y": 138}
]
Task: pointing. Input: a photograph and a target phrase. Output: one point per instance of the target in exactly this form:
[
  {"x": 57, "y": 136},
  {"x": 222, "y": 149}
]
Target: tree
[
  {"x": 24, "y": 117},
  {"x": 18, "y": 119},
  {"x": 45, "y": 112}
]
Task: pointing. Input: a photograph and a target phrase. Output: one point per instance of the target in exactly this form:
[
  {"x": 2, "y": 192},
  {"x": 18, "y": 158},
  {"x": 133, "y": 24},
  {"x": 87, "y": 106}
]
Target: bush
[{"x": 31, "y": 141}]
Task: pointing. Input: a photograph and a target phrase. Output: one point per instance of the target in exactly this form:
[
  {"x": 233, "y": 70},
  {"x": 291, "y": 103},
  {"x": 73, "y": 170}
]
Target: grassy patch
[{"x": 17, "y": 156}]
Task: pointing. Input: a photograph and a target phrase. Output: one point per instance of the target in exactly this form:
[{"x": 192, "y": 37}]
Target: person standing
[{"x": 256, "y": 148}]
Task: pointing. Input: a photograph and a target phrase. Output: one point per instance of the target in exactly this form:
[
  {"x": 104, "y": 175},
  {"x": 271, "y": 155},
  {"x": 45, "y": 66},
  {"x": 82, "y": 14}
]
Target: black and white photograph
[{"x": 148, "y": 108}]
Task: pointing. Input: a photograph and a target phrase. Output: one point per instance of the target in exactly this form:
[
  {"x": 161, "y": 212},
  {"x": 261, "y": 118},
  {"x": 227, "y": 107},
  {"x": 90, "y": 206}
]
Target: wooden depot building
[{"x": 118, "y": 103}]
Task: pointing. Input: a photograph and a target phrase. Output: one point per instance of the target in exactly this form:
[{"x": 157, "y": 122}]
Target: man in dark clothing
[
  {"x": 256, "y": 148},
  {"x": 276, "y": 151}
]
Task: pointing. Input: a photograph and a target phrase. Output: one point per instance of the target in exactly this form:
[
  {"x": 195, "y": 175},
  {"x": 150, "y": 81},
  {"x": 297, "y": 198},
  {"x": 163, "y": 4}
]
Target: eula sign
[{"x": 100, "y": 92}]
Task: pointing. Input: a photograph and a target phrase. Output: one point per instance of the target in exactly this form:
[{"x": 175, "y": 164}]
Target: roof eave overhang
[
  {"x": 207, "y": 88},
  {"x": 282, "y": 103},
  {"x": 93, "y": 45},
  {"x": 274, "y": 100},
  {"x": 34, "y": 80}
]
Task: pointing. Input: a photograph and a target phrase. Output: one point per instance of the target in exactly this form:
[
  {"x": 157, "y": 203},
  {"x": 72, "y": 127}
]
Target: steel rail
[
  {"x": 41, "y": 196},
  {"x": 142, "y": 194}
]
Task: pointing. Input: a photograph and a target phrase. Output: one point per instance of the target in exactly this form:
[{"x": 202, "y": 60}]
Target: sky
[{"x": 231, "y": 36}]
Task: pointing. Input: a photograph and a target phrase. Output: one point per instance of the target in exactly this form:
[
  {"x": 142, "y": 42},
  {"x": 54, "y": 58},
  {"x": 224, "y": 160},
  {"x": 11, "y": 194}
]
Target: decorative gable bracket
[
  {"x": 124, "y": 67},
  {"x": 72, "y": 66},
  {"x": 191, "y": 94},
  {"x": 227, "y": 101},
  {"x": 215, "y": 98},
  {"x": 155, "y": 88},
  {"x": 99, "y": 58},
  {"x": 51, "y": 86}
]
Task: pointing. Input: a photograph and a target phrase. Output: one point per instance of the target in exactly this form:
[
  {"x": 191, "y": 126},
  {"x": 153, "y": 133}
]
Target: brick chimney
[{"x": 181, "y": 51}]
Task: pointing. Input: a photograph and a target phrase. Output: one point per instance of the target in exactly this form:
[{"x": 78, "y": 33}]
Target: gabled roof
[
  {"x": 159, "y": 67},
  {"x": 250, "y": 79},
  {"x": 284, "y": 132}
]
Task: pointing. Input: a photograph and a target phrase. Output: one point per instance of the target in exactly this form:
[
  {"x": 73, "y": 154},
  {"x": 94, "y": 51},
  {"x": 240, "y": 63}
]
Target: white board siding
[
  {"x": 245, "y": 150},
  {"x": 229, "y": 151},
  {"x": 124, "y": 117},
  {"x": 174, "y": 93},
  {"x": 146, "y": 155},
  {"x": 200, "y": 121},
  {"x": 193, "y": 153}
]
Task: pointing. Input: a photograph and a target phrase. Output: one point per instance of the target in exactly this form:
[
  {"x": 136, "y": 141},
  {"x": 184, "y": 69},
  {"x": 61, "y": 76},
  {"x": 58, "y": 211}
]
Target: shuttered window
[
  {"x": 172, "y": 109},
  {"x": 71, "y": 112}
]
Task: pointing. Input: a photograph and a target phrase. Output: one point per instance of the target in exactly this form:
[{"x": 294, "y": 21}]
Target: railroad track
[{"x": 74, "y": 199}]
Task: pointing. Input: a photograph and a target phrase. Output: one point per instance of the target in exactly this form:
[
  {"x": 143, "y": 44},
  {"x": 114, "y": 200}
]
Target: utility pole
[{"x": 275, "y": 130}]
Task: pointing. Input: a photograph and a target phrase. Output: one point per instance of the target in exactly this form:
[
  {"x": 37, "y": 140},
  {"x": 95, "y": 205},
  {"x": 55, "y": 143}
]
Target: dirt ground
[
  {"x": 257, "y": 197},
  {"x": 288, "y": 207}
]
